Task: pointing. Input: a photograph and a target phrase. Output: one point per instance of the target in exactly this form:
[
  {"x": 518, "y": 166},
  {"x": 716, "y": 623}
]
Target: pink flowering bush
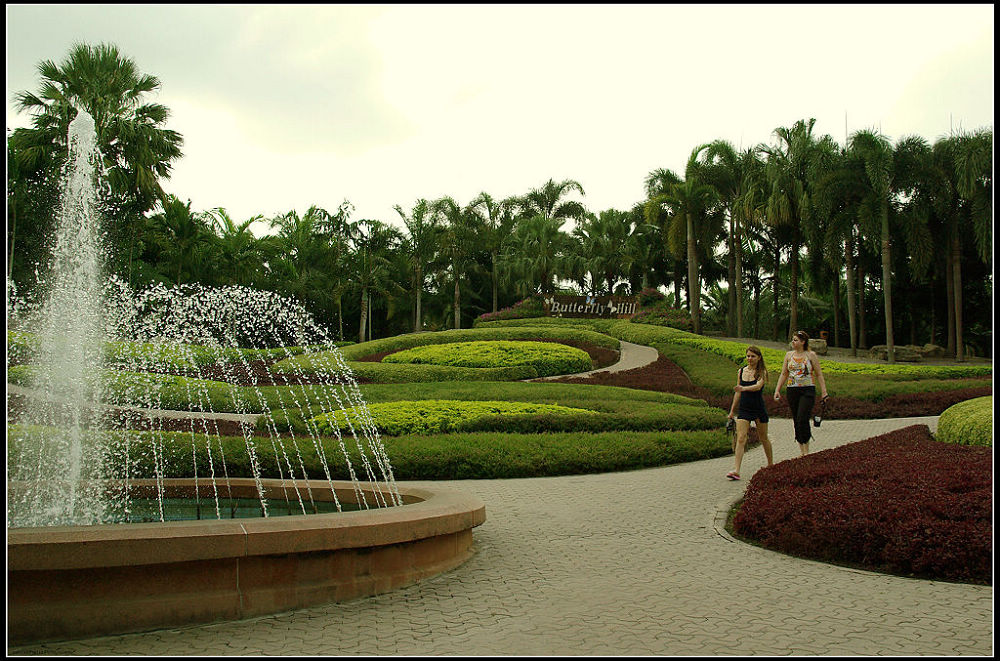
[{"x": 533, "y": 306}]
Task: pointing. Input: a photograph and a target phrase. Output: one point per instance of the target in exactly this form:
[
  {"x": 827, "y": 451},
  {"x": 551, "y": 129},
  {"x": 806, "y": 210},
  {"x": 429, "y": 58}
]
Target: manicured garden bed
[
  {"x": 901, "y": 503},
  {"x": 547, "y": 359}
]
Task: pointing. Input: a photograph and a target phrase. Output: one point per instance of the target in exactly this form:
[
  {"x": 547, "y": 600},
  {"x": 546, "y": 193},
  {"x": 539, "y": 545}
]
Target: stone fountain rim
[{"x": 427, "y": 512}]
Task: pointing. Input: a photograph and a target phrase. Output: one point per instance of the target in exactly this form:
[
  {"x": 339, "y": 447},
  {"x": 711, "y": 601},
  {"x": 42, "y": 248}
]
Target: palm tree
[
  {"x": 538, "y": 253},
  {"x": 691, "y": 205},
  {"x": 372, "y": 265},
  {"x": 458, "y": 245},
  {"x": 658, "y": 183},
  {"x": 497, "y": 220},
  {"x": 547, "y": 201},
  {"x": 641, "y": 249},
  {"x": 878, "y": 205},
  {"x": 137, "y": 150},
  {"x": 790, "y": 171},
  {"x": 601, "y": 239},
  {"x": 966, "y": 161},
  {"x": 838, "y": 198},
  {"x": 110, "y": 88},
  {"x": 240, "y": 260},
  {"x": 424, "y": 229},
  {"x": 729, "y": 172},
  {"x": 185, "y": 235}
]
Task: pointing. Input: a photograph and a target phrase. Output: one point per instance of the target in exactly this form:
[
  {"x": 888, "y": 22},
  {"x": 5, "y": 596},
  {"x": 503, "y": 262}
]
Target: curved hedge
[
  {"x": 967, "y": 423},
  {"x": 456, "y": 456},
  {"x": 547, "y": 358},
  {"x": 398, "y": 373},
  {"x": 712, "y": 364},
  {"x": 431, "y": 416}
]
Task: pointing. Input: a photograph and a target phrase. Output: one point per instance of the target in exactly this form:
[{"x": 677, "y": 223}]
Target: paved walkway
[
  {"x": 629, "y": 563},
  {"x": 630, "y": 357}
]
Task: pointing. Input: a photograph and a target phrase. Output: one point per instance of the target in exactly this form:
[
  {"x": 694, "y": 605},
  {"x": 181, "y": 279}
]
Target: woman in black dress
[{"x": 748, "y": 405}]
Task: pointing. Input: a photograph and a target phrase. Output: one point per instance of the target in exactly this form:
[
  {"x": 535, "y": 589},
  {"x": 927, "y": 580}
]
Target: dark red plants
[
  {"x": 665, "y": 376},
  {"x": 901, "y": 503}
]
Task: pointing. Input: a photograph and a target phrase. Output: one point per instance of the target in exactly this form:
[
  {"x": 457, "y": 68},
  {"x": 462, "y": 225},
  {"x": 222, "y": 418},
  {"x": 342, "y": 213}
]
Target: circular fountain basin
[{"x": 77, "y": 581}]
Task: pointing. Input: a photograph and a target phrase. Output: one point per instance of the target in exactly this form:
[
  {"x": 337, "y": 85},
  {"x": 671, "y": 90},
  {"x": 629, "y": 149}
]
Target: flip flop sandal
[{"x": 733, "y": 475}]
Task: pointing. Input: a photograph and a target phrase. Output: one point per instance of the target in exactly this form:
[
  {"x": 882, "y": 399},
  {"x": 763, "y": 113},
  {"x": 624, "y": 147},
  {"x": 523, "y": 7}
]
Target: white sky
[{"x": 283, "y": 107}]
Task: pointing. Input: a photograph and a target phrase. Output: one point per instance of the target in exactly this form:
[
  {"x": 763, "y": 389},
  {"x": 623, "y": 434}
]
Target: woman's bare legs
[
  {"x": 765, "y": 441},
  {"x": 742, "y": 429}
]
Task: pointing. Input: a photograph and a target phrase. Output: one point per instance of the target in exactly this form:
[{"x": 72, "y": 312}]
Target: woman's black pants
[{"x": 800, "y": 401}]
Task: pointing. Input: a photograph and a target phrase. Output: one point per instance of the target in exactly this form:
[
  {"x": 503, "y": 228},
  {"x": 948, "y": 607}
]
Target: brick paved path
[{"x": 623, "y": 563}]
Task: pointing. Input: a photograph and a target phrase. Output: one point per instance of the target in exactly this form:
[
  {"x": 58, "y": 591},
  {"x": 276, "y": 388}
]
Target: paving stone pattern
[{"x": 626, "y": 563}]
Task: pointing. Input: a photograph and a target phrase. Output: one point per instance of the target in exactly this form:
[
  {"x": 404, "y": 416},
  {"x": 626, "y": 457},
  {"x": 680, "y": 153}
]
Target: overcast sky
[{"x": 283, "y": 107}]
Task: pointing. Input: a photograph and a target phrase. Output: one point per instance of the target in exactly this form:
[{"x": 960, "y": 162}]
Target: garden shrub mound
[
  {"x": 900, "y": 503},
  {"x": 387, "y": 372},
  {"x": 857, "y": 390},
  {"x": 967, "y": 423},
  {"x": 432, "y": 416},
  {"x": 547, "y": 358}
]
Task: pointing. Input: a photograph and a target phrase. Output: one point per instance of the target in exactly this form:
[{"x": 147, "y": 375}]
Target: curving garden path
[{"x": 633, "y": 563}]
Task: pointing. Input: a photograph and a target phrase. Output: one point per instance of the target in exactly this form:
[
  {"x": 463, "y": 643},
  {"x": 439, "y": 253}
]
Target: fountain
[{"x": 171, "y": 392}]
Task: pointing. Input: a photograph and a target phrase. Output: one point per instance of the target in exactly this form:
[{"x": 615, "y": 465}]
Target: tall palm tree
[
  {"x": 424, "y": 228},
  {"x": 658, "y": 183},
  {"x": 538, "y": 254},
  {"x": 602, "y": 239},
  {"x": 109, "y": 86},
  {"x": 720, "y": 165},
  {"x": 240, "y": 260},
  {"x": 788, "y": 170},
  {"x": 548, "y": 201},
  {"x": 458, "y": 245},
  {"x": 691, "y": 205},
  {"x": 497, "y": 220},
  {"x": 883, "y": 178},
  {"x": 838, "y": 199},
  {"x": 966, "y": 160},
  {"x": 138, "y": 151},
  {"x": 373, "y": 266}
]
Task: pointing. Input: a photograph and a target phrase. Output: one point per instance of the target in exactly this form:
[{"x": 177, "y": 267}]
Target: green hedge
[
  {"x": 432, "y": 416},
  {"x": 390, "y": 373},
  {"x": 547, "y": 358},
  {"x": 967, "y": 423},
  {"x": 23, "y": 347},
  {"x": 712, "y": 363},
  {"x": 454, "y": 456},
  {"x": 617, "y": 408}
]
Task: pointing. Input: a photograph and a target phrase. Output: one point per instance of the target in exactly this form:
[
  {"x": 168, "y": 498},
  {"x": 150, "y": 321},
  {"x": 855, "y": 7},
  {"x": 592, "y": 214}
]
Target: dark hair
[
  {"x": 804, "y": 336},
  {"x": 761, "y": 367}
]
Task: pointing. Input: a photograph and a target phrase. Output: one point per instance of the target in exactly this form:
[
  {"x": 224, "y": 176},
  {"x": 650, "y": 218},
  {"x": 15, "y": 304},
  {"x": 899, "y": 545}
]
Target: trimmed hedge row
[
  {"x": 967, "y": 423},
  {"x": 456, "y": 456},
  {"x": 546, "y": 358},
  {"x": 433, "y": 416},
  {"x": 23, "y": 347},
  {"x": 712, "y": 364},
  {"x": 900, "y": 503},
  {"x": 608, "y": 408}
]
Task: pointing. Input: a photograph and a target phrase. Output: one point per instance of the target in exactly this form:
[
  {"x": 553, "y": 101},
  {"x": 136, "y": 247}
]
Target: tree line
[{"x": 874, "y": 241}]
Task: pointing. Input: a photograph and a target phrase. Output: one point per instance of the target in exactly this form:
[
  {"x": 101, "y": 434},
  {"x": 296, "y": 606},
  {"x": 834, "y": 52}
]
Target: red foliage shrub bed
[
  {"x": 901, "y": 503},
  {"x": 666, "y": 376}
]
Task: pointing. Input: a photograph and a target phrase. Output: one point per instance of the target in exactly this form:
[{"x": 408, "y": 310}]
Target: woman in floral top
[{"x": 802, "y": 372}]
